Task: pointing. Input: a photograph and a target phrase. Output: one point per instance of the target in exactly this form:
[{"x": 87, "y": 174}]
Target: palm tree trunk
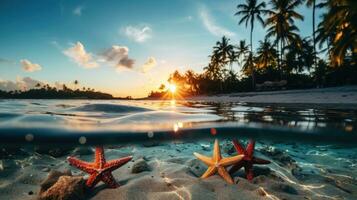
[
  {"x": 281, "y": 59},
  {"x": 278, "y": 54},
  {"x": 313, "y": 31},
  {"x": 251, "y": 51}
]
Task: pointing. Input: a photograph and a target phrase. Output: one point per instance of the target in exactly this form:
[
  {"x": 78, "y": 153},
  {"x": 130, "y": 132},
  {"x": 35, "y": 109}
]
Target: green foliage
[{"x": 48, "y": 92}]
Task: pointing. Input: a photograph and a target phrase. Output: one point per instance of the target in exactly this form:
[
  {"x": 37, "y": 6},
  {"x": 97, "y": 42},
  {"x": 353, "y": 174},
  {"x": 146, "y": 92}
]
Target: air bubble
[
  {"x": 29, "y": 137},
  {"x": 150, "y": 134},
  {"x": 82, "y": 140}
]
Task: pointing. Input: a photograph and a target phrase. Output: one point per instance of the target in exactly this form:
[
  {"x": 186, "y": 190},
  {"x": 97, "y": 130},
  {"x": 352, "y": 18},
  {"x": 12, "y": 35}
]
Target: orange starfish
[
  {"x": 218, "y": 164},
  {"x": 248, "y": 160},
  {"x": 99, "y": 170}
]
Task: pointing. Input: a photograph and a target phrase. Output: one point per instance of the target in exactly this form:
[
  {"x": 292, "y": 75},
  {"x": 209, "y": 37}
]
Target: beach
[{"x": 342, "y": 97}]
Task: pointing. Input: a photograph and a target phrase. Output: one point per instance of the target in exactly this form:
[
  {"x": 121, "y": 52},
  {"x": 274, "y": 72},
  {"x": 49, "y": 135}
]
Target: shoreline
[{"x": 334, "y": 97}]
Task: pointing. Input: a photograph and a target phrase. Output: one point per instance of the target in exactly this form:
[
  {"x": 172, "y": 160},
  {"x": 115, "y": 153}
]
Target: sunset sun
[{"x": 172, "y": 88}]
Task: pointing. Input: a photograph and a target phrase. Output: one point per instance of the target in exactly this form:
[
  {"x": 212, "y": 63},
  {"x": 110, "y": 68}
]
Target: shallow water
[
  {"x": 65, "y": 121},
  {"x": 320, "y": 143}
]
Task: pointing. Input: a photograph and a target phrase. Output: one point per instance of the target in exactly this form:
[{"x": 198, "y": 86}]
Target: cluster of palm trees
[
  {"x": 282, "y": 48},
  {"x": 45, "y": 91},
  {"x": 327, "y": 57}
]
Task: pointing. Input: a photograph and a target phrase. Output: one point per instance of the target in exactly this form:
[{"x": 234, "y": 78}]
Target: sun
[{"x": 172, "y": 88}]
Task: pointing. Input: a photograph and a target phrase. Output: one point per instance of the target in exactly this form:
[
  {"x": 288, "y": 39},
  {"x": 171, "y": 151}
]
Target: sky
[{"x": 126, "y": 48}]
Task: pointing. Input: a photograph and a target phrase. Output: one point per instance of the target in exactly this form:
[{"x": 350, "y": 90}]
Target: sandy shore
[
  {"x": 336, "y": 95},
  {"x": 170, "y": 171}
]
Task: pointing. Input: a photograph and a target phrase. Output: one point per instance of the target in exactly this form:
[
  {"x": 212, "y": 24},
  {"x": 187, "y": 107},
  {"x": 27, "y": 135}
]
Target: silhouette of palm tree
[
  {"x": 312, "y": 3},
  {"x": 223, "y": 50},
  {"x": 242, "y": 50},
  {"x": 281, "y": 24},
  {"x": 339, "y": 27},
  {"x": 266, "y": 54},
  {"x": 250, "y": 11},
  {"x": 75, "y": 82}
]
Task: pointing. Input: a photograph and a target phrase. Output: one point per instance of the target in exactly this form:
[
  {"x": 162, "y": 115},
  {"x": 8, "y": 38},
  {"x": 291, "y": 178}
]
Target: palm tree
[
  {"x": 250, "y": 11},
  {"x": 339, "y": 26},
  {"x": 75, "y": 82},
  {"x": 191, "y": 79},
  {"x": 266, "y": 54},
  {"x": 223, "y": 50},
  {"x": 248, "y": 64},
  {"x": 312, "y": 3},
  {"x": 232, "y": 57},
  {"x": 300, "y": 59},
  {"x": 281, "y": 24},
  {"x": 214, "y": 69},
  {"x": 242, "y": 50}
]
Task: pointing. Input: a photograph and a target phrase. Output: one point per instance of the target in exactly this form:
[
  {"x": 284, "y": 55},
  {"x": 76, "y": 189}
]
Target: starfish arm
[
  {"x": 249, "y": 172},
  {"x": 250, "y": 148},
  {"x": 109, "y": 180},
  {"x": 209, "y": 172},
  {"x": 230, "y": 160},
  {"x": 207, "y": 160},
  {"x": 236, "y": 167},
  {"x": 115, "y": 164},
  {"x": 99, "y": 157},
  {"x": 225, "y": 175},
  {"x": 93, "y": 180},
  {"x": 216, "y": 152},
  {"x": 82, "y": 165},
  {"x": 239, "y": 148},
  {"x": 260, "y": 161}
]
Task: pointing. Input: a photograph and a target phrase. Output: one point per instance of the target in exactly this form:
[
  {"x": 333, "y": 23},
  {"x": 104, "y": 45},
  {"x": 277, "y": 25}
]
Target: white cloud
[
  {"x": 20, "y": 84},
  {"x": 118, "y": 56},
  {"x": 27, "y": 66},
  {"x": 149, "y": 64},
  {"x": 139, "y": 33},
  {"x": 79, "y": 55},
  {"x": 78, "y": 10},
  {"x": 211, "y": 26}
]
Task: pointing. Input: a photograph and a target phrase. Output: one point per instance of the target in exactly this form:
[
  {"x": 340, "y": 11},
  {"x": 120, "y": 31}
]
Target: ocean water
[
  {"x": 68, "y": 121},
  {"x": 321, "y": 142}
]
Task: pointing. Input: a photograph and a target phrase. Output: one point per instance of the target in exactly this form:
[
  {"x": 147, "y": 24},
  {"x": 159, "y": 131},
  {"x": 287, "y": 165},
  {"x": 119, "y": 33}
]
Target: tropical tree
[
  {"x": 250, "y": 11},
  {"x": 191, "y": 80},
  {"x": 312, "y": 3},
  {"x": 339, "y": 26},
  {"x": 299, "y": 59},
  {"x": 214, "y": 70},
  {"x": 223, "y": 50},
  {"x": 232, "y": 58},
  {"x": 75, "y": 82},
  {"x": 248, "y": 66},
  {"x": 281, "y": 24},
  {"x": 242, "y": 50},
  {"x": 266, "y": 54}
]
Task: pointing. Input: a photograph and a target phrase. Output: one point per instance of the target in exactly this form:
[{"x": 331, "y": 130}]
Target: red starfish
[
  {"x": 99, "y": 170},
  {"x": 248, "y": 160}
]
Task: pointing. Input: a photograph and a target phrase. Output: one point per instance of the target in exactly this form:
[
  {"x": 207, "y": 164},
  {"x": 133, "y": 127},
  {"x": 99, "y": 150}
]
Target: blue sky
[{"x": 121, "y": 47}]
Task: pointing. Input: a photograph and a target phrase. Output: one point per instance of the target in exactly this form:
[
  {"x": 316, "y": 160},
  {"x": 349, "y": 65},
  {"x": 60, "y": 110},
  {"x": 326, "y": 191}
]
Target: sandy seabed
[{"x": 170, "y": 171}]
